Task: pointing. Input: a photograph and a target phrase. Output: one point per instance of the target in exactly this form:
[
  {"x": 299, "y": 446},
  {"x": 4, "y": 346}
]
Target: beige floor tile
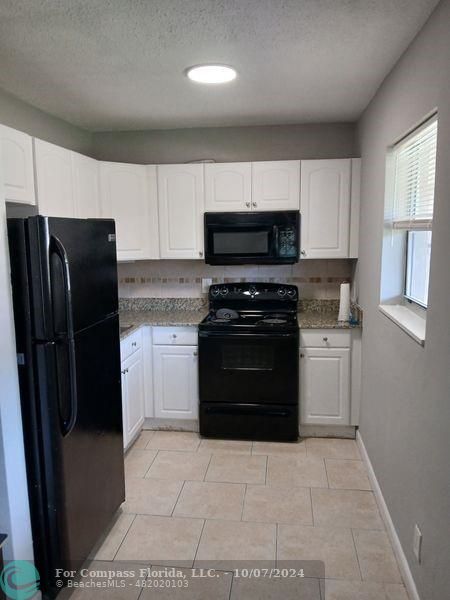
[
  {"x": 211, "y": 500},
  {"x": 332, "y": 448},
  {"x": 137, "y": 462},
  {"x": 327, "y": 547},
  {"x": 108, "y": 547},
  {"x": 225, "y": 447},
  {"x": 345, "y": 508},
  {"x": 288, "y": 588},
  {"x": 124, "y": 587},
  {"x": 296, "y": 471},
  {"x": 151, "y": 496},
  {"x": 174, "y": 440},
  {"x": 237, "y": 469},
  {"x": 395, "y": 591},
  {"x": 197, "y": 588},
  {"x": 333, "y": 589},
  {"x": 279, "y": 448},
  {"x": 144, "y": 437},
  {"x": 347, "y": 474},
  {"x": 233, "y": 544},
  {"x": 179, "y": 466},
  {"x": 376, "y": 558},
  {"x": 162, "y": 540},
  {"x": 274, "y": 505}
]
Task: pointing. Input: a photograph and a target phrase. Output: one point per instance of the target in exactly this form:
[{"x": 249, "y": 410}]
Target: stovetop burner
[{"x": 274, "y": 321}]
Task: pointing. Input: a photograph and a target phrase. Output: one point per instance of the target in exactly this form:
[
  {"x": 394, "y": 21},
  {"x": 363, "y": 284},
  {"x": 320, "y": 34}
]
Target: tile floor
[{"x": 220, "y": 504}]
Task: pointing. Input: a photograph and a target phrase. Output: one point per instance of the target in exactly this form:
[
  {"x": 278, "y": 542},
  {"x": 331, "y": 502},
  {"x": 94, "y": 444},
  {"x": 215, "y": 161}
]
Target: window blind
[{"x": 415, "y": 173}]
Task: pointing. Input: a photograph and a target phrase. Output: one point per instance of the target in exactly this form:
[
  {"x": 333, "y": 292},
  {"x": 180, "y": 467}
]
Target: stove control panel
[{"x": 253, "y": 291}]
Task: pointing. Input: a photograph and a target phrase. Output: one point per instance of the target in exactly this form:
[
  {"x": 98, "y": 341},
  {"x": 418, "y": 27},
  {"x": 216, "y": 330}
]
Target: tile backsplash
[{"x": 316, "y": 279}]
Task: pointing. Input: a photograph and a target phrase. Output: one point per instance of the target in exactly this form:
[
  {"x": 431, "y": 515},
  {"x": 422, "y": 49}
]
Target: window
[
  {"x": 407, "y": 236},
  {"x": 411, "y": 207}
]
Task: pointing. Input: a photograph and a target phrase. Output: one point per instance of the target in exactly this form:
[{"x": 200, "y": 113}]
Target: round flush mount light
[{"x": 212, "y": 74}]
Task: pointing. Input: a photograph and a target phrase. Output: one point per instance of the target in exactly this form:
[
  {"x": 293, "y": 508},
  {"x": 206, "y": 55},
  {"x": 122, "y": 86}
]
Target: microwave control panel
[{"x": 287, "y": 241}]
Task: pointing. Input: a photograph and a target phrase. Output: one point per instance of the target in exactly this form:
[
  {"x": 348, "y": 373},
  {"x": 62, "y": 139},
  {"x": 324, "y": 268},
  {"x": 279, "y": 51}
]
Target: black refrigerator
[{"x": 64, "y": 278}]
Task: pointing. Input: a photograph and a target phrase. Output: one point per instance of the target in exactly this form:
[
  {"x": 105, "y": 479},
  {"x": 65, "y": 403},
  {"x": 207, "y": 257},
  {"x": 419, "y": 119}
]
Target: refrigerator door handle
[{"x": 68, "y": 337}]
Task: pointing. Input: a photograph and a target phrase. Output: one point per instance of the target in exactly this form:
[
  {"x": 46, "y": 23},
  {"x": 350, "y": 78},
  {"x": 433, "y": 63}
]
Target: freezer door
[
  {"x": 86, "y": 459},
  {"x": 73, "y": 270}
]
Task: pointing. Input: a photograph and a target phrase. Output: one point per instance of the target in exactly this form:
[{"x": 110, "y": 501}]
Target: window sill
[{"x": 408, "y": 320}]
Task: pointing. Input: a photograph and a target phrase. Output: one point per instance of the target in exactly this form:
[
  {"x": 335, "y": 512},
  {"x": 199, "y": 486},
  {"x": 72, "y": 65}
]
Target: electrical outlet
[
  {"x": 206, "y": 282},
  {"x": 417, "y": 543}
]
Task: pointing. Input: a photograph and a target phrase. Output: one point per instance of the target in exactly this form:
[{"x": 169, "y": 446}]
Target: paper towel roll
[{"x": 344, "y": 303}]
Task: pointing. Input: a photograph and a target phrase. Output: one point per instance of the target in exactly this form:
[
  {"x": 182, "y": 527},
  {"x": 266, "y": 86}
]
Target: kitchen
[{"x": 250, "y": 263}]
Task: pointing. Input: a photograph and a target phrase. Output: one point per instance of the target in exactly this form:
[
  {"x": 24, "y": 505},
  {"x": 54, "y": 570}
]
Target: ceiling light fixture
[{"x": 211, "y": 73}]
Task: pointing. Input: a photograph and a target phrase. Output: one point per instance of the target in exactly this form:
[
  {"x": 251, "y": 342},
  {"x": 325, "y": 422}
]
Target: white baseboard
[{"x": 390, "y": 528}]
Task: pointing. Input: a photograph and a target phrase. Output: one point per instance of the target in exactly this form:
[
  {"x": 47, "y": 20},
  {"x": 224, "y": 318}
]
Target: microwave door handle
[{"x": 275, "y": 239}]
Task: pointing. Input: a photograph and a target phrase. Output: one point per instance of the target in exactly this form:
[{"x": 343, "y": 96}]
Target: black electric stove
[{"x": 249, "y": 363}]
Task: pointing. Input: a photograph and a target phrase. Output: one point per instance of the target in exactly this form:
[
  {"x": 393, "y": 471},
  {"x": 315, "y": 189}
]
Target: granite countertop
[
  {"x": 167, "y": 318},
  {"x": 322, "y": 319},
  {"x": 133, "y": 319}
]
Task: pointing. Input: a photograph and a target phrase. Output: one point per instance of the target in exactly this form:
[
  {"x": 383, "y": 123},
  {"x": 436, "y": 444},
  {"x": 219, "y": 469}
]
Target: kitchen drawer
[
  {"x": 325, "y": 338},
  {"x": 177, "y": 336},
  {"x": 130, "y": 344}
]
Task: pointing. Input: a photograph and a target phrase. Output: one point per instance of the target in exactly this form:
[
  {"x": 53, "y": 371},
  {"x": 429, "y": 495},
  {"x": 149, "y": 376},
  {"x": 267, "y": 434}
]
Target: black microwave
[{"x": 258, "y": 238}]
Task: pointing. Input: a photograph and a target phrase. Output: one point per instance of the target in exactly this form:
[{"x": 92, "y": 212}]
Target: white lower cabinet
[
  {"x": 133, "y": 395},
  {"x": 175, "y": 381},
  {"x": 325, "y": 397}
]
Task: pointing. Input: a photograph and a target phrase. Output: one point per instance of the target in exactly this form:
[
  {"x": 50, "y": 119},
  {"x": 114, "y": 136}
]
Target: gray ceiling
[{"x": 118, "y": 64}]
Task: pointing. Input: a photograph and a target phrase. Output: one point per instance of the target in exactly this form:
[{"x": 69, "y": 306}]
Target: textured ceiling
[{"x": 118, "y": 64}]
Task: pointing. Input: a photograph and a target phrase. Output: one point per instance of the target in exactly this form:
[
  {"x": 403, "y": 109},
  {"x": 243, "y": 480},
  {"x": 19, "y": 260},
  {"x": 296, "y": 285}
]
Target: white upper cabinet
[
  {"x": 276, "y": 185},
  {"x": 16, "y": 151},
  {"x": 54, "y": 180},
  {"x": 228, "y": 187},
  {"x": 325, "y": 208},
  {"x": 181, "y": 207},
  {"x": 128, "y": 195},
  {"x": 86, "y": 186}
]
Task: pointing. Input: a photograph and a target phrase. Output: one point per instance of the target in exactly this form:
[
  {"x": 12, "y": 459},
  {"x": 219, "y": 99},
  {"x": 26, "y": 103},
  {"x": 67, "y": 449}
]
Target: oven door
[{"x": 242, "y": 368}]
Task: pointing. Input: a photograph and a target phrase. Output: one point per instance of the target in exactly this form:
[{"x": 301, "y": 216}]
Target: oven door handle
[{"x": 231, "y": 335}]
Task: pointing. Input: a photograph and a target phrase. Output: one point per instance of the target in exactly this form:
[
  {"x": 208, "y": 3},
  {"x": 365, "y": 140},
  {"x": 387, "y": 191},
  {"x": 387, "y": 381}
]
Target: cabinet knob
[
  {"x": 303, "y": 252},
  {"x": 254, "y": 204},
  {"x": 302, "y": 356},
  {"x": 174, "y": 335},
  {"x": 325, "y": 339},
  {"x": 134, "y": 343},
  {"x": 200, "y": 253},
  {"x": 247, "y": 204},
  {"x": 195, "y": 353}
]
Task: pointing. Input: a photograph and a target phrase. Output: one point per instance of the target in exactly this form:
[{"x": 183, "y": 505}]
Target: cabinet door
[
  {"x": 123, "y": 196},
  {"x": 276, "y": 185},
  {"x": 181, "y": 204},
  {"x": 175, "y": 370},
  {"x": 54, "y": 180},
  {"x": 325, "y": 208},
  {"x": 134, "y": 405},
  {"x": 228, "y": 187},
  {"x": 16, "y": 152},
  {"x": 325, "y": 386},
  {"x": 85, "y": 186}
]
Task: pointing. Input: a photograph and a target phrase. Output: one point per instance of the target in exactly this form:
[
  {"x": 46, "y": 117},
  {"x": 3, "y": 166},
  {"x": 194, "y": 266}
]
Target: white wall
[
  {"x": 405, "y": 412},
  {"x": 14, "y": 509}
]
